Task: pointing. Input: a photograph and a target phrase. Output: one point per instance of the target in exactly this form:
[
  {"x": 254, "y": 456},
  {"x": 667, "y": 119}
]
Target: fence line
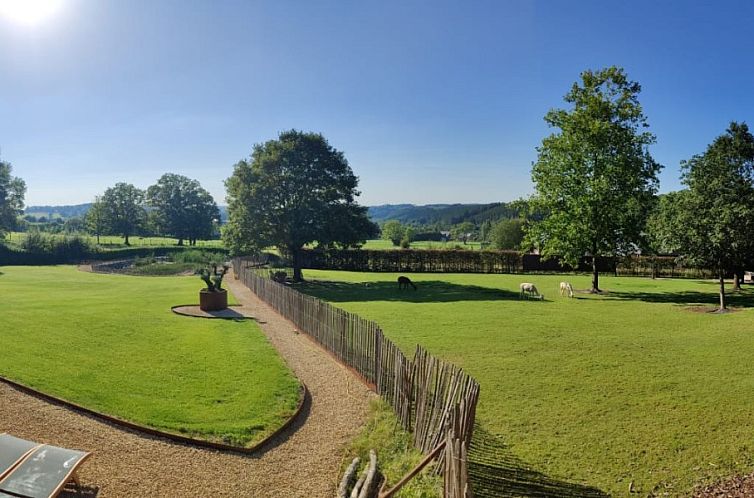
[{"x": 429, "y": 396}]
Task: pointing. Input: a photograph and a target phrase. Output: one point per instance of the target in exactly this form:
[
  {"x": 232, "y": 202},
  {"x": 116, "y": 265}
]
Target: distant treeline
[
  {"x": 443, "y": 214},
  {"x": 460, "y": 261},
  {"x": 47, "y": 249}
]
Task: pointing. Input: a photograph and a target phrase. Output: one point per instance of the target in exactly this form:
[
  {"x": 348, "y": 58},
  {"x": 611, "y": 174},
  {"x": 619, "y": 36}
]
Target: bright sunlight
[{"x": 29, "y": 12}]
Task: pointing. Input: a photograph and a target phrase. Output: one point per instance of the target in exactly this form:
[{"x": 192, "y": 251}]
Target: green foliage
[
  {"x": 463, "y": 231},
  {"x": 213, "y": 276},
  {"x": 405, "y": 243},
  {"x": 294, "y": 191},
  {"x": 717, "y": 213},
  {"x": 394, "y": 231},
  {"x": 594, "y": 177},
  {"x": 76, "y": 335},
  {"x": 123, "y": 208},
  {"x": 183, "y": 209},
  {"x": 601, "y": 389},
  {"x": 665, "y": 232},
  {"x": 58, "y": 247},
  {"x": 507, "y": 234},
  {"x": 396, "y": 455},
  {"x": 95, "y": 218},
  {"x": 12, "y": 191}
]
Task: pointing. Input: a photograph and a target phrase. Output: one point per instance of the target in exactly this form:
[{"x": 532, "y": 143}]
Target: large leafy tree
[
  {"x": 124, "y": 213},
  {"x": 718, "y": 213},
  {"x": 294, "y": 191},
  {"x": 507, "y": 234},
  {"x": 183, "y": 209},
  {"x": 394, "y": 231},
  {"x": 12, "y": 191},
  {"x": 594, "y": 176},
  {"x": 95, "y": 218}
]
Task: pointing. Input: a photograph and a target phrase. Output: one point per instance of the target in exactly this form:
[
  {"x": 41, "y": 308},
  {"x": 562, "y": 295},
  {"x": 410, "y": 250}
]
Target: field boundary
[
  {"x": 433, "y": 399},
  {"x": 258, "y": 448}
]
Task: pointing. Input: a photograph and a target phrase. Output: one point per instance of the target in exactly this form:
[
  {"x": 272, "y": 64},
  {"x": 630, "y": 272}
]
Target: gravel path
[{"x": 304, "y": 462}]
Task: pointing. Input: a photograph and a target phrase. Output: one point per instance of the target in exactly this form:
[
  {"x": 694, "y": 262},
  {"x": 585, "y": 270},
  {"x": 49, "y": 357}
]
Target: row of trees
[
  {"x": 597, "y": 182},
  {"x": 176, "y": 206}
]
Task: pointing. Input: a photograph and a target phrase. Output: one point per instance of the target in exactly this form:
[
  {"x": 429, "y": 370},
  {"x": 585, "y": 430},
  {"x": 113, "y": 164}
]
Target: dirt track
[{"x": 304, "y": 461}]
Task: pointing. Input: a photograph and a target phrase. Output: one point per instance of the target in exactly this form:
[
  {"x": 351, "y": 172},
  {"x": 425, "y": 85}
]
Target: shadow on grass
[
  {"x": 431, "y": 291},
  {"x": 495, "y": 472},
  {"x": 743, "y": 299}
]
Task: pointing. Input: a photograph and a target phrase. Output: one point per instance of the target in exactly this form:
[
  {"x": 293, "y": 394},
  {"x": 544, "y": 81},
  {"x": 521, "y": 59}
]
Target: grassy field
[
  {"x": 117, "y": 242},
  {"x": 628, "y": 387},
  {"x": 111, "y": 343}
]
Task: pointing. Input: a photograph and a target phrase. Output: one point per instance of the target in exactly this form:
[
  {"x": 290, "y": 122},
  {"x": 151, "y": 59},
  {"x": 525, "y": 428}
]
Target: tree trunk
[
  {"x": 126, "y": 242},
  {"x": 595, "y": 276},
  {"x": 297, "y": 274},
  {"x": 180, "y": 241},
  {"x": 722, "y": 291},
  {"x": 736, "y": 282},
  {"x": 97, "y": 238}
]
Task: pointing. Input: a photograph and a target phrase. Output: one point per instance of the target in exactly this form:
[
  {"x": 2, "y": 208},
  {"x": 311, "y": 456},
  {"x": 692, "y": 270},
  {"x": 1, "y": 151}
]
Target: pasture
[
  {"x": 111, "y": 343},
  {"x": 631, "y": 389}
]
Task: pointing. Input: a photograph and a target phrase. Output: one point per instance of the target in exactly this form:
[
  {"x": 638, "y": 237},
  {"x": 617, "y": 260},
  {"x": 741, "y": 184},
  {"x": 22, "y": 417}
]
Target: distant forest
[
  {"x": 409, "y": 214},
  {"x": 443, "y": 214}
]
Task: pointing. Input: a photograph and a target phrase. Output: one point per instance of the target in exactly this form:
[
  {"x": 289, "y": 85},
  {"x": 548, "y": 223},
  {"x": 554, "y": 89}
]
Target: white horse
[
  {"x": 528, "y": 290},
  {"x": 566, "y": 288}
]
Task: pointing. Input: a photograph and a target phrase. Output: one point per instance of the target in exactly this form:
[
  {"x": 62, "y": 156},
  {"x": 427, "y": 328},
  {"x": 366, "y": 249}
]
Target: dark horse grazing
[{"x": 404, "y": 282}]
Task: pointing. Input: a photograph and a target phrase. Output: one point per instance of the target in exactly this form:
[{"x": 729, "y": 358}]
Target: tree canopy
[
  {"x": 183, "y": 209},
  {"x": 717, "y": 215},
  {"x": 507, "y": 234},
  {"x": 123, "y": 208},
  {"x": 293, "y": 191},
  {"x": 12, "y": 191},
  {"x": 595, "y": 176},
  {"x": 394, "y": 231}
]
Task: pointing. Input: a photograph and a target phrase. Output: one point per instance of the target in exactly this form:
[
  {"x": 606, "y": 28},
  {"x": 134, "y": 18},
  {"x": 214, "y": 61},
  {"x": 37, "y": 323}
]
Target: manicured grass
[
  {"x": 604, "y": 390},
  {"x": 111, "y": 343},
  {"x": 113, "y": 241}
]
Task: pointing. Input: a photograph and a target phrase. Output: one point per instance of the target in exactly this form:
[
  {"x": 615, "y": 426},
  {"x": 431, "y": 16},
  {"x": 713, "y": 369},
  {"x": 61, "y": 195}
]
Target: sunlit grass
[
  {"x": 111, "y": 343},
  {"x": 599, "y": 390}
]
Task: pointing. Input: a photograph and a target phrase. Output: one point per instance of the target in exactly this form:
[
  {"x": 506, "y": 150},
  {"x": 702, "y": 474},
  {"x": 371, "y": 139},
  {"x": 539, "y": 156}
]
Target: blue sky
[{"x": 431, "y": 101}]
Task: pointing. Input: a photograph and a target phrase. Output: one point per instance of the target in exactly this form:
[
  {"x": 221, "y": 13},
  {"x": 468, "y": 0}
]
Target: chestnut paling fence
[{"x": 433, "y": 399}]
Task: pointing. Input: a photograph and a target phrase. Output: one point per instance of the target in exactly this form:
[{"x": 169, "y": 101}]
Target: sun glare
[{"x": 29, "y": 12}]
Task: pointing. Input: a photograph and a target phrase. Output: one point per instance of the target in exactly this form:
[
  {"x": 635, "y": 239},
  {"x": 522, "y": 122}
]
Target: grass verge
[
  {"x": 112, "y": 344},
  {"x": 396, "y": 455}
]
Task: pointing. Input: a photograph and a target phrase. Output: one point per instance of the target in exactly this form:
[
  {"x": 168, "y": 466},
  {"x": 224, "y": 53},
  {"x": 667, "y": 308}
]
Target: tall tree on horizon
[
  {"x": 294, "y": 191},
  {"x": 184, "y": 209},
  {"x": 595, "y": 176},
  {"x": 12, "y": 191},
  {"x": 718, "y": 212},
  {"x": 124, "y": 213}
]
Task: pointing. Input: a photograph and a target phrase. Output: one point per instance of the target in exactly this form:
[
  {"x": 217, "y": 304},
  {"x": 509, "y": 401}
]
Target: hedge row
[
  {"x": 16, "y": 257},
  {"x": 460, "y": 261}
]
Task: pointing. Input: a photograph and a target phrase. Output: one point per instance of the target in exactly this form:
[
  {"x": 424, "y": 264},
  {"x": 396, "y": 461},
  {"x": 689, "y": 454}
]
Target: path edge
[{"x": 304, "y": 400}]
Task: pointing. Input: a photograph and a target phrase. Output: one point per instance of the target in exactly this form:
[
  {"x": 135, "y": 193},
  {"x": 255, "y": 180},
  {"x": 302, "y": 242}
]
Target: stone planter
[{"x": 213, "y": 301}]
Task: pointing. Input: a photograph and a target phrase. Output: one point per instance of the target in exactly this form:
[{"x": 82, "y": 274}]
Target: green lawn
[
  {"x": 111, "y": 343},
  {"x": 598, "y": 390}
]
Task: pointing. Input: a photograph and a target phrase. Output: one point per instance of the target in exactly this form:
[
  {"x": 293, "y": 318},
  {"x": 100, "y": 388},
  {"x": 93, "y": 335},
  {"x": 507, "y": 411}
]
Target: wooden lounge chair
[
  {"x": 12, "y": 451},
  {"x": 42, "y": 473}
]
